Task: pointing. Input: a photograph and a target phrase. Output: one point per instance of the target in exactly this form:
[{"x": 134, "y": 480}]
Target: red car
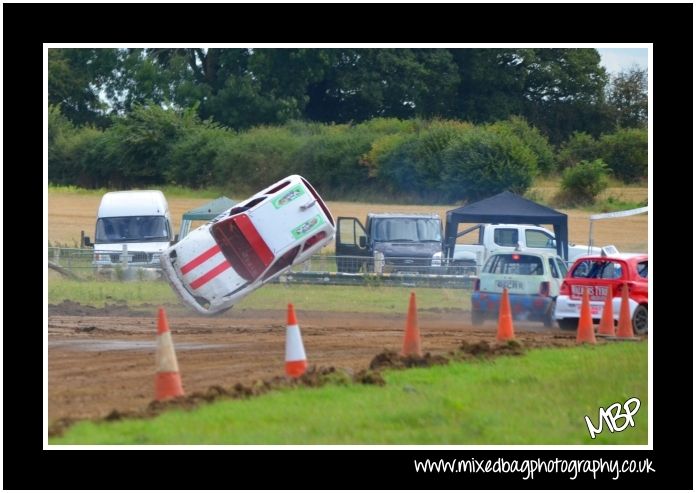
[{"x": 605, "y": 275}]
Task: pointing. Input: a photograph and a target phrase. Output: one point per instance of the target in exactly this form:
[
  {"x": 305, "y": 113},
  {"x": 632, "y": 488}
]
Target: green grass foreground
[
  {"x": 271, "y": 296},
  {"x": 539, "y": 398}
]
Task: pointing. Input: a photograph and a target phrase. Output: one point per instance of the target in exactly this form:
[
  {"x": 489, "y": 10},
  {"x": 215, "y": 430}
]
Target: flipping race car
[{"x": 221, "y": 262}]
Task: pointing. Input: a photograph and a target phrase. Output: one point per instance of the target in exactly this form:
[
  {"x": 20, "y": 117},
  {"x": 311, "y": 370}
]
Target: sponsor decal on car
[
  {"x": 597, "y": 293},
  {"x": 306, "y": 227},
  {"x": 509, "y": 283},
  {"x": 289, "y": 196}
]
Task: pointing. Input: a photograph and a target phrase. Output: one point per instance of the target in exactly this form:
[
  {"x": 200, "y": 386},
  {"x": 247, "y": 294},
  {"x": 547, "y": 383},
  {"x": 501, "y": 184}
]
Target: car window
[
  {"x": 401, "y": 229},
  {"x": 407, "y": 229},
  {"x": 611, "y": 270},
  {"x": 587, "y": 269},
  {"x": 562, "y": 267},
  {"x": 132, "y": 228},
  {"x": 554, "y": 270},
  {"x": 429, "y": 230},
  {"x": 505, "y": 237},
  {"x": 488, "y": 266},
  {"x": 539, "y": 239},
  {"x": 346, "y": 231},
  {"x": 525, "y": 265},
  {"x": 282, "y": 262},
  {"x": 642, "y": 269}
]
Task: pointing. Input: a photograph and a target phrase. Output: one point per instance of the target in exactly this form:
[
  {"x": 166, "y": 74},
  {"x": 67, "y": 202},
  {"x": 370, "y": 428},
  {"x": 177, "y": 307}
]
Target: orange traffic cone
[
  {"x": 585, "y": 327},
  {"x": 506, "y": 331},
  {"x": 606, "y": 324},
  {"x": 295, "y": 358},
  {"x": 412, "y": 343},
  {"x": 625, "y": 324},
  {"x": 168, "y": 380}
]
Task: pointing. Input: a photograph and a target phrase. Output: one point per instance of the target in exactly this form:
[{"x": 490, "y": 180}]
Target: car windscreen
[
  {"x": 407, "y": 229},
  {"x": 131, "y": 229},
  {"x": 514, "y": 263},
  {"x": 642, "y": 269},
  {"x": 598, "y": 269}
]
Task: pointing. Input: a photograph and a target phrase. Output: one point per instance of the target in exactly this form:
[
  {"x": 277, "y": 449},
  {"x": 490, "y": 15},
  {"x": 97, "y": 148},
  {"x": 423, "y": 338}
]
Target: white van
[{"x": 139, "y": 220}]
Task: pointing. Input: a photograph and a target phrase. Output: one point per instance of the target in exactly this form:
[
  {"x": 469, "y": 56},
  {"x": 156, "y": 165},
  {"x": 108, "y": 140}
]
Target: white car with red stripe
[{"x": 221, "y": 262}]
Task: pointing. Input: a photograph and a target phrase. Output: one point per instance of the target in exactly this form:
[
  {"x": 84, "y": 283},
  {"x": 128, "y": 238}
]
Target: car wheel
[
  {"x": 548, "y": 317},
  {"x": 640, "y": 320},
  {"x": 477, "y": 317},
  {"x": 568, "y": 323}
]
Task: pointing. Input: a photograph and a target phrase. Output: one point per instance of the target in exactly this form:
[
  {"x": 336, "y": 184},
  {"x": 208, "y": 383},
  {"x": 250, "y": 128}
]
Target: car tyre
[
  {"x": 477, "y": 317},
  {"x": 640, "y": 320},
  {"x": 568, "y": 323},
  {"x": 548, "y": 317}
]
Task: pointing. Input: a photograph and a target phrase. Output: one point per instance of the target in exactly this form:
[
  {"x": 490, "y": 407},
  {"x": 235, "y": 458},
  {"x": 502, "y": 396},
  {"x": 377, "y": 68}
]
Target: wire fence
[{"x": 124, "y": 265}]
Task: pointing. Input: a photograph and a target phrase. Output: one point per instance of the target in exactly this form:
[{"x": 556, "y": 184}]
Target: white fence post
[
  {"x": 379, "y": 262},
  {"x": 124, "y": 257}
]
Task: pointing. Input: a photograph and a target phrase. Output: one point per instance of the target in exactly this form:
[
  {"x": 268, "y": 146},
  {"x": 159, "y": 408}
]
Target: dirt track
[{"x": 103, "y": 359}]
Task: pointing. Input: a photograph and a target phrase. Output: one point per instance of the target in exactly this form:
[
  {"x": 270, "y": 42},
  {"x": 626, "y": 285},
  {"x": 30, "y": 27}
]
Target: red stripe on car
[
  {"x": 200, "y": 259},
  {"x": 254, "y": 238},
  {"x": 211, "y": 274}
]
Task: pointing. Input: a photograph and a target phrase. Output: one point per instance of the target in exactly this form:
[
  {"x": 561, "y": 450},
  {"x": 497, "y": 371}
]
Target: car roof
[
  {"x": 402, "y": 214},
  {"x": 133, "y": 203},
  {"x": 616, "y": 256},
  {"x": 513, "y": 225},
  {"x": 526, "y": 252}
]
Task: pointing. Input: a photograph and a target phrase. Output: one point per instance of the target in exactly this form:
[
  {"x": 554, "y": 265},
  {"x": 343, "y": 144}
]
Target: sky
[{"x": 617, "y": 59}]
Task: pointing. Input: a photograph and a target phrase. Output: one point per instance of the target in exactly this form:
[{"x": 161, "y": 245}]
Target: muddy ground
[{"x": 103, "y": 359}]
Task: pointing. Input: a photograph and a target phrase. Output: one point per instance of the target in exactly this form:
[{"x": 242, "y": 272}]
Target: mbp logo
[{"x": 612, "y": 414}]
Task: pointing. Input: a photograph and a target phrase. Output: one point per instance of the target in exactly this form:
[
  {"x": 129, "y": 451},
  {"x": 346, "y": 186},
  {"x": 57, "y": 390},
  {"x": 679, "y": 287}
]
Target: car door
[
  {"x": 558, "y": 272},
  {"x": 539, "y": 241},
  {"x": 348, "y": 237},
  {"x": 351, "y": 241}
]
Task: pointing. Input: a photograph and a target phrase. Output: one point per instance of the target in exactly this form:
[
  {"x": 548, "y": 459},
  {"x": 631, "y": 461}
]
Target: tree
[
  {"x": 75, "y": 77},
  {"x": 626, "y": 153},
  {"x": 582, "y": 183},
  {"x": 251, "y": 89},
  {"x": 565, "y": 92},
  {"x": 628, "y": 97},
  {"x": 580, "y": 146},
  {"x": 491, "y": 83},
  {"x": 481, "y": 162},
  {"x": 532, "y": 138},
  {"x": 137, "y": 147},
  {"x": 558, "y": 90},
  {"x": 239, "y": 88},
  {"x": 359, "y": 84}
]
